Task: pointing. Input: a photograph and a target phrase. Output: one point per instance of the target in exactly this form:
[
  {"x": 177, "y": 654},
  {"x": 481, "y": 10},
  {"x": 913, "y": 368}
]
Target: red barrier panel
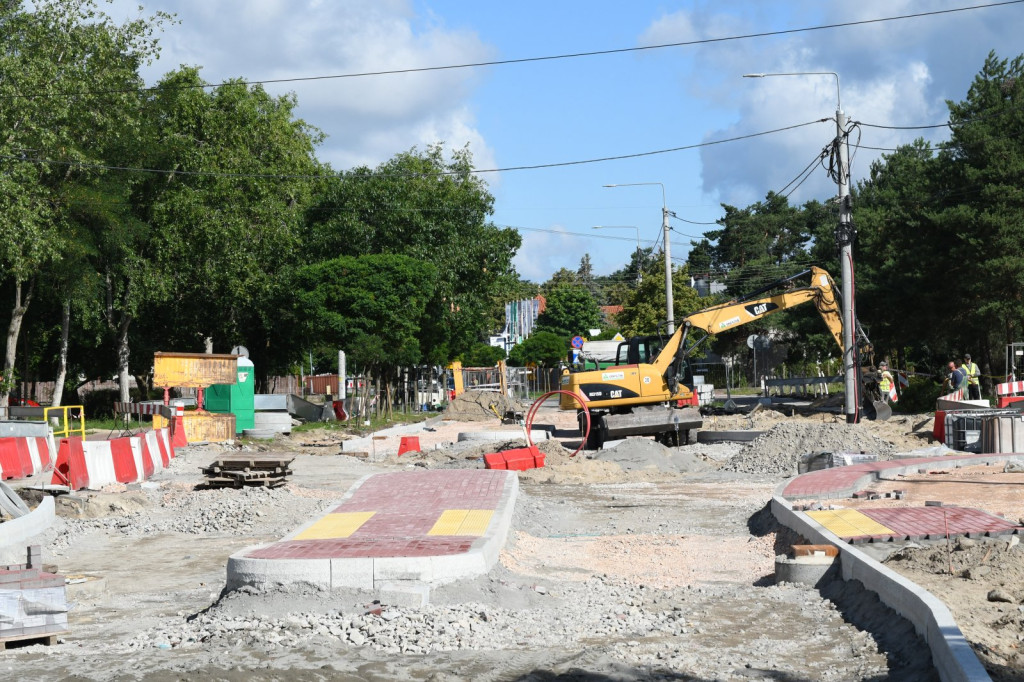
[
  {"x": 70, "y": 469},
  {"x": 10, "y": 462},
  {"x": 178, "y": 438},
  {"x": 408, "y": 444},
  {"x": 147, "y": 458},
  {"x": 25, "y": 457},
  {"x": 939, "y": 427},
  {"x": 124, "y": 461}
]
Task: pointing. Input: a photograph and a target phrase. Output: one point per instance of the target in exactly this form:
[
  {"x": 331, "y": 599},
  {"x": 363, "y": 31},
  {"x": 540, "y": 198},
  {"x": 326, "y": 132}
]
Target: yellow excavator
[{"x": 646, "y": 393}]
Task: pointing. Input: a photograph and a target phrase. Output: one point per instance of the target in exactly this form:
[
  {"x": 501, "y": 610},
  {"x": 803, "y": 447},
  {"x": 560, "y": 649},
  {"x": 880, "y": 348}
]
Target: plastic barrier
[
  {"x": 93, "y": 464},
  {"x": 23, "y": 457},
  {"x": 408, "y": 444}
]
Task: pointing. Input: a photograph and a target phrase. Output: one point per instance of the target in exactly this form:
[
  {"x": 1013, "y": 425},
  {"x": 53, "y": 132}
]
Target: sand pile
[{"x": 476, "y": 405}]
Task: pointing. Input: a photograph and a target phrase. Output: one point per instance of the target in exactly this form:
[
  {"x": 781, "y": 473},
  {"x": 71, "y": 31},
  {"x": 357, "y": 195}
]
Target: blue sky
[{"x": 563, "y": 111}]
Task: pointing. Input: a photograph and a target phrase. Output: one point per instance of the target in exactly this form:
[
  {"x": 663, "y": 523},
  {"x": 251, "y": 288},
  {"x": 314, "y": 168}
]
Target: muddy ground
[{"x": 636, "y": 562}]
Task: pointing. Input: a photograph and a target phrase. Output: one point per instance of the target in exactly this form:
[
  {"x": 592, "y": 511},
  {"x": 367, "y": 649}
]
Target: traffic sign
[{"x": 577, "y": 342}]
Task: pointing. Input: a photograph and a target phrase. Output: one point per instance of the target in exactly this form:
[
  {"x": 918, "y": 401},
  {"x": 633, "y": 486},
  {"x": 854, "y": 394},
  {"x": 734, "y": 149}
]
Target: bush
[{"x": 919, "y": 396}]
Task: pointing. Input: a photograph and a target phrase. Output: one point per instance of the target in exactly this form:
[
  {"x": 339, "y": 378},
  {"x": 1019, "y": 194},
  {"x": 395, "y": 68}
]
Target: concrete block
[
  {"x": 404, "y": 594},
  {"x": 388, "y": 569},
  {"x": 243, "y": 570},
  {"x": 352, "y": 573}
]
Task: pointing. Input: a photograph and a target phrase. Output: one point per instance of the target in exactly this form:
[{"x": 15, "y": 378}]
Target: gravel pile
[
  {"x": 660, "y": 632},
  {"x": 778, "y": 451},
  {"x": 198, "y": 512},
  {"x": 476, "y": 405}
]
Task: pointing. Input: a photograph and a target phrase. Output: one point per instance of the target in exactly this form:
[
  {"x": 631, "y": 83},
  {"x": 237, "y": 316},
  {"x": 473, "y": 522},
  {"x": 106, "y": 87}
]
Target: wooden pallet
[
  {"x": 47, "y": 638},
  {"x": 235, "y": 471}
]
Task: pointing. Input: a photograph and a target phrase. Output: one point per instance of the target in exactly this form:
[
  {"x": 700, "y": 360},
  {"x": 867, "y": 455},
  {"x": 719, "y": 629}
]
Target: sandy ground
[{"x": 638, "y": 562}]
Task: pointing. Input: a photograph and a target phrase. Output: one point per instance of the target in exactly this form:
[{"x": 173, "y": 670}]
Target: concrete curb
[
  {"x": 16, "y": 532},
  {"x": 952, "y": 656}
]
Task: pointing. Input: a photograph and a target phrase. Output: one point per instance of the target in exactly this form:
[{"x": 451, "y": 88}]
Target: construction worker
[
  {"x": 973, "y": 378},
  {"x": 957, "y": 377},
  {"x": 885, "y": 382}
]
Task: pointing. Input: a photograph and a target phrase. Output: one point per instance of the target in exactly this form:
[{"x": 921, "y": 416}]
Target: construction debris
[{"x": 235, "y": 471}]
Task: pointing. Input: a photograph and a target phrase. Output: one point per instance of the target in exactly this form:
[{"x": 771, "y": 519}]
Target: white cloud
[{"x": 367, "y": 119}]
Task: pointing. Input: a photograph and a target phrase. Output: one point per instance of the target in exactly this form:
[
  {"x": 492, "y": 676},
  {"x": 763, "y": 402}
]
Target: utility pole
[{"x": 845, "y": 234}]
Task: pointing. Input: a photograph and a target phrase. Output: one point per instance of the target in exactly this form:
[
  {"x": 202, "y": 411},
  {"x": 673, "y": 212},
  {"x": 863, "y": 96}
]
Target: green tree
[
  {"x": 482, "y": 355},
  {"x": 368, "y": 305},
  {"x": 435, "y": 210},
  {"x": 540, "y": 348},
  {"x": 644, "y": 311},
  {"x": 225, "y": 218},
  {"x": 69, "y": 82},
  {"x": 570, "y": 310}
]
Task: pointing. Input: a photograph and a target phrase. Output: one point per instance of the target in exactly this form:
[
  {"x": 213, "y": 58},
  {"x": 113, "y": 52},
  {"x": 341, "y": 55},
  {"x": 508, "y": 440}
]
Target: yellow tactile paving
[
  {"x": 331, "y": 526},
  {"x": 848, "y": 523},
  {"x": 462, "y": 522}
]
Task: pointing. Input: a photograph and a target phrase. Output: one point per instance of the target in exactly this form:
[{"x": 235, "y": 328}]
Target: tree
[
  {"x": 483, "y": 355},
  {"x": 570, "y": 310},
  {"x": 368, "y": 305},
  {"x": 435, "y": 210},
  {"x": 541, "y": 348},
  {"x": 225, "y": 216},
  {"x": 69, "y": 82},
  {"x": 644, "y": 312}
]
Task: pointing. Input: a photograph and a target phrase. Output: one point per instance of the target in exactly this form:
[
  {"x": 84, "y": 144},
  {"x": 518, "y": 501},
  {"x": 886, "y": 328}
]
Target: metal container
[{"x": 1003, "y": 433}]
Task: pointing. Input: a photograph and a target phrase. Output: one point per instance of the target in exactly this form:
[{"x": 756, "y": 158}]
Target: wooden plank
[{"x": 47, "y": 638}]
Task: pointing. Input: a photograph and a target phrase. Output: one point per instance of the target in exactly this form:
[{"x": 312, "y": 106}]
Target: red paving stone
[
  {"x": 935, "y": 522},
  {"x": 905, "y": 522},
  {"x": 406, "y": 506},
  {"x": 842, "y": 481}
]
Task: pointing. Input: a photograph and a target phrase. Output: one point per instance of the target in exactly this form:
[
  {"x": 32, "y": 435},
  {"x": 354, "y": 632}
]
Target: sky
[{"x": 657, "y": 119}]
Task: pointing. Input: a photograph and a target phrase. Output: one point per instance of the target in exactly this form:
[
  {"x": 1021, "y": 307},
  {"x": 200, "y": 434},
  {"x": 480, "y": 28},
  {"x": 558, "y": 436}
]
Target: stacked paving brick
[{"x": 33, "y": 603}]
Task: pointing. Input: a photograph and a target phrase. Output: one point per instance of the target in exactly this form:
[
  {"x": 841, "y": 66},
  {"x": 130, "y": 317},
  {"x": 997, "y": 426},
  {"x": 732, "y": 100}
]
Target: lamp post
[
  {"x": 844, "y": 239},
  {"x": 669, "y": 303},
  {"x": 639, "y": 270}
]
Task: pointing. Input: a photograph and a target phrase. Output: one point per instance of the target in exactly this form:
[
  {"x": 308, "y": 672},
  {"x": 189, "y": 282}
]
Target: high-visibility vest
[
  {"x": 972, "y": 373},
  {"x": 886, "y": 383}
]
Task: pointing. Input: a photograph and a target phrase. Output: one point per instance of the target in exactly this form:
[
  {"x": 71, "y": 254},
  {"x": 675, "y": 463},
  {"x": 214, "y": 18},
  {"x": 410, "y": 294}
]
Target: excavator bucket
[{"x": 878, "y": 410}]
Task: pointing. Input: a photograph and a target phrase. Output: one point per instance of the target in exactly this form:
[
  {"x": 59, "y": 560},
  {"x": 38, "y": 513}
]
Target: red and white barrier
[
  {"x": 93, "y": 464},
  {"x": 24, "y": 457}
]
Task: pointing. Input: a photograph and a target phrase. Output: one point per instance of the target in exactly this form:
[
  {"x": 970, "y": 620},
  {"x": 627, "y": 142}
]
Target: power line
[
  {"x": 559, "y": 164},
  {"x": 571, "y": 55}
]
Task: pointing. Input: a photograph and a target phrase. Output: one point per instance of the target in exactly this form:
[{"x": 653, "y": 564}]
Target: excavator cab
[{"x": 639, "y": 349}]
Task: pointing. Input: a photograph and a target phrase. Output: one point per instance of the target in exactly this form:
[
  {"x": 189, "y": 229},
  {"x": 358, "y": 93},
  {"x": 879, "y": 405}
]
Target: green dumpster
[{"x": 238, "y": 398}]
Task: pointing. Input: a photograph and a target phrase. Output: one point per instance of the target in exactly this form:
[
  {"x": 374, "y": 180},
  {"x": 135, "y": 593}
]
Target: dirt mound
[{"x": 478, "y": 405}]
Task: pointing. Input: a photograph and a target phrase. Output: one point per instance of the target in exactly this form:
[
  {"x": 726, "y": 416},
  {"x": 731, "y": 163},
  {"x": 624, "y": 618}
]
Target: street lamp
[
  {"x": 639, "y": 270},
  {"x": 669, "y": 303},
  {"x": 844, "y": 238}
]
